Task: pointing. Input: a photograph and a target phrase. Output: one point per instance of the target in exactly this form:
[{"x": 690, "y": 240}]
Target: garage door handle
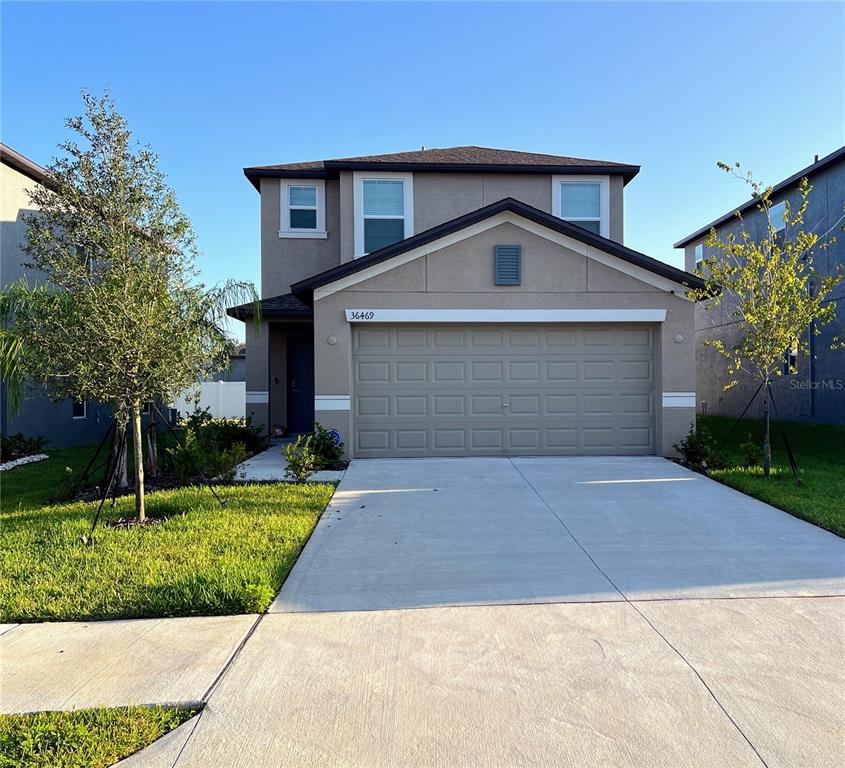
[{"x": 506, "y": 405}]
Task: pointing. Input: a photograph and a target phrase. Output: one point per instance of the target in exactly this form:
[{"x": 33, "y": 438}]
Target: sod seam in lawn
[
  {"x": 203, "y": 560},
  {"x": 83, "y": 738},
  {"x": 819, "y": 452}
]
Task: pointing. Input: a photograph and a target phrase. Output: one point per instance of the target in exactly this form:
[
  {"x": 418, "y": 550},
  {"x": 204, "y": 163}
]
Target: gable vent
[{"x": 507, "y": 264}]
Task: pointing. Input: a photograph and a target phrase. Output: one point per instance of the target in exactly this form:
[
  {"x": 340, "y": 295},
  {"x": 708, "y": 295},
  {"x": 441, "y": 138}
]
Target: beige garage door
[{"x": 518, "y": 390}]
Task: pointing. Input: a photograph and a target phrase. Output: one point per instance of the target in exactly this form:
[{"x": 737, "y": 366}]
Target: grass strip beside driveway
[
  {"x": 819, "y": 452},
  {"x": 84, "y": 738},
  {"x": 202, "y": 560}
]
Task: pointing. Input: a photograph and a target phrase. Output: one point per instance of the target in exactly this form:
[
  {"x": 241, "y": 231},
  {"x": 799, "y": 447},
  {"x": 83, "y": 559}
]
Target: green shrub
[
  {"x": 18, "y": 445},
  {"x": 213, "y": 446},
  {"x": 750, "y": 452},
  {"x": 699, "y": 450},
  {"x": 301, "y": 459},
  {"x": 327, "y": 447},
  {"x": 229, "y": 461}
]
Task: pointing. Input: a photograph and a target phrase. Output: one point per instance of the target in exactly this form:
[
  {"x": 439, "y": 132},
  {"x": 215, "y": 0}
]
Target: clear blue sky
[{"x": 214, "y": 87}]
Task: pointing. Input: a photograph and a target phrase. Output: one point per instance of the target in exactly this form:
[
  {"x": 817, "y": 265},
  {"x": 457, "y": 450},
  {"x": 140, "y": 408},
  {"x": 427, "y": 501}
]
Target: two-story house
[
  {"x": 62, "y": 422},
  {"x": 465, "y": 301},
  {"x": 812, "y": 385}
]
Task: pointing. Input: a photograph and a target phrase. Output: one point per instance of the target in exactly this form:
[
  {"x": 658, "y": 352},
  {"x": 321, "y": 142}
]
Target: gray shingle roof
[
  {"x": 455, "y": 159},
  {"x": 286, "y": 305}
]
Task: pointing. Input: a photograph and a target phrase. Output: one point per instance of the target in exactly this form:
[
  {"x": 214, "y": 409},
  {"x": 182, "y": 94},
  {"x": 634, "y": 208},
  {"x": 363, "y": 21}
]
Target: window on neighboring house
[
  {"x": 146, "y": 408},
  {"x": 777, "y": 215},
  {"x": 583, "y": 201},
  {"x": 303, "y": 209},
  {"x": 80, "y": 409},
  {"x": 699, "y": 255},
  {"x": 790, "y": 362},
  {"x": 383, "y": 210}
]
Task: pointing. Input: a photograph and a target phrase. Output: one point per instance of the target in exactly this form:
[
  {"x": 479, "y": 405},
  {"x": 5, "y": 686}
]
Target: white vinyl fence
[{"x": 224, "y": 399}]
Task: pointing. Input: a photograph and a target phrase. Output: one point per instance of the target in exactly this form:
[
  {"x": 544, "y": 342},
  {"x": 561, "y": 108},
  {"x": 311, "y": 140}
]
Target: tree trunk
[
  {"x": 767, "y": 437},
  {"x": 138, "y": 445},
  {"x": 121, "y": 481},
  {"x": 152, "y": 449}
]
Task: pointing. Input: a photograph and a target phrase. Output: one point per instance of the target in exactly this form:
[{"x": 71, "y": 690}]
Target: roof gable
[{"x": 599, "y": 248}]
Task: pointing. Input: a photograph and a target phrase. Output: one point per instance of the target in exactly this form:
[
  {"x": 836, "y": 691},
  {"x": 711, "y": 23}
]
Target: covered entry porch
[{"x": 279, "y": 365}]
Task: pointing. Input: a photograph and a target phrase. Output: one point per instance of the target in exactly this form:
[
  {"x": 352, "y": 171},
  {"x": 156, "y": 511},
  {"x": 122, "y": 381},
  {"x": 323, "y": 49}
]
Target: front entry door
[{"x": 300, "y": 384}]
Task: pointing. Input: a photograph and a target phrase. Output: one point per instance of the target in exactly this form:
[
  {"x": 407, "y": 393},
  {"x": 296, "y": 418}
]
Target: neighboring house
[
  {"x": 813, "y": 387},
  {"x": 465, "y": 301},
  {"x": 64, "y": 422},
  {"x": 235, "y": 370}
]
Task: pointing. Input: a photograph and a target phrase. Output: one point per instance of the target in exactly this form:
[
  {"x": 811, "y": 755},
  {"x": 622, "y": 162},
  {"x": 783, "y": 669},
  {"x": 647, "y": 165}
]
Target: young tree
[
  {"x": 770, "y": 287},
  {"x": 120, "y": 316}
]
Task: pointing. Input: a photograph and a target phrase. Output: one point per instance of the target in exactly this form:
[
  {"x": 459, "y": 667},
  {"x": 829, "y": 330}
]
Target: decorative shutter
[{"x": 507, "y": 264}]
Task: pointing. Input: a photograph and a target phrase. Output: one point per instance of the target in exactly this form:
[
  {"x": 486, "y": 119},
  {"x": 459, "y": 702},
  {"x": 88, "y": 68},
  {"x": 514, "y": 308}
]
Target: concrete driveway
[{"x": 548, "y": 612}]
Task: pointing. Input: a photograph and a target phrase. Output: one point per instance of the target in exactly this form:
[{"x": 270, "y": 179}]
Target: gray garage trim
[{"x": 486, "y": 390}]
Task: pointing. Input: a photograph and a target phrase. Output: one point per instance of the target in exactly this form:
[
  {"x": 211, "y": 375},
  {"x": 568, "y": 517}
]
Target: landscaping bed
[
  {"x": 83, "y": 738},
  {"x": 819, "y": 453},
  {"x": 201, "y": 560}
]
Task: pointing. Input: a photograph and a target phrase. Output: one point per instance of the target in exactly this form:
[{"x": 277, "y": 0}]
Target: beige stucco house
[{"x": 465, "y": 301}]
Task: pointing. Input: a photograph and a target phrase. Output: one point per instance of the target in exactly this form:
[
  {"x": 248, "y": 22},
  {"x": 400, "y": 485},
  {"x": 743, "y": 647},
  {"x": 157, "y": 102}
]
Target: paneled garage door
[{"x": 448, "y": 390}]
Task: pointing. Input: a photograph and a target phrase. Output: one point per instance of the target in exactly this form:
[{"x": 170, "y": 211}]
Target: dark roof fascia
[
  {"x": 304, "y": 289},
  {"x": 24, "y": 165},
  {"x": 256, "y": 174},
  {"x": 332, "y": 168},
  {"x": 810, "y": 170}
]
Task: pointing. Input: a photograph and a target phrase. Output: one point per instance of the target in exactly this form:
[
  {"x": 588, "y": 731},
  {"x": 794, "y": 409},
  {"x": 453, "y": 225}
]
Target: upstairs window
[
  {"x": 699, "y": 255},
  {"x": 80, "y": 409},
  {"x": 583, "y": 201},
  {"x": 303, "y": 209},
  {"x": 383, "y": 211}
]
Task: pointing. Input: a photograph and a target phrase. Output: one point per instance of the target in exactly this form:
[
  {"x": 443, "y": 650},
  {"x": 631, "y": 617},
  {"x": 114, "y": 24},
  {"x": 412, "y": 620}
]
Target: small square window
[
  {"x": 80, "y": 409},
  {"x": 302, "y": 213},
  {"x": 302, "y": 206}
]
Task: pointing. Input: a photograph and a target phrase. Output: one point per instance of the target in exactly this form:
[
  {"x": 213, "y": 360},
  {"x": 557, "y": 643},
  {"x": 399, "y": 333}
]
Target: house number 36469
[{"x": 362, "y": 315}]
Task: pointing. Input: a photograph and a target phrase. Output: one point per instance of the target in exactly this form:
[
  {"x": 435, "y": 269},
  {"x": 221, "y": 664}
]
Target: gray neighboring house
[
  {"x": 465, "y": 301},
  {"x": 63, "y": 423},
  {"x": 813, "y": 387}
]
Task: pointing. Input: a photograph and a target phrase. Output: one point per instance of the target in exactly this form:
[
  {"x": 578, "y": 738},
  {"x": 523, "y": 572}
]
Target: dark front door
[{"x": 300, "y": 383}]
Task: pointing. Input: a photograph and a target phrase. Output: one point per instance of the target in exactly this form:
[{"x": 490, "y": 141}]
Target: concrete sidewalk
[
  {"x": 270, "y": 466},
  {"x": 57, "y": 666}
]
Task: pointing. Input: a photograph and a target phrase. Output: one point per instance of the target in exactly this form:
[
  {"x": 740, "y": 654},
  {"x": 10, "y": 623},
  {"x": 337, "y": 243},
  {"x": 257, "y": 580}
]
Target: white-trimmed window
[
  {"x": 699, "y": 255},
  {"x": 777, "y": 215},
  {"x": 303, "y": 208},
  {"x": 383, "y": 210},
  {"x": 80, "y": 409},
  {"x": 583, "y": 200}
]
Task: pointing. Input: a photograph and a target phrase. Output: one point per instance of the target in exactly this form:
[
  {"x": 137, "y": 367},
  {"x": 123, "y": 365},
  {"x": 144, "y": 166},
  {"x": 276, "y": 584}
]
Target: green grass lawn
[
  {"x": 33, "y": 485},
  {"x": 84, "y": 738},
  {"x": 820, "y": 454},
  {"x": 203, "y": 560}
]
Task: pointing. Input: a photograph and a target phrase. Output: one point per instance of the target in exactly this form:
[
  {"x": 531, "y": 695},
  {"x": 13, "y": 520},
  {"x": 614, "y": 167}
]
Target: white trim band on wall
[
  {"x": 332, "y": 403},
  {"x": 506, "y": 316},
  {"x": 257, "y": 396},
  {"x": 679, "y": 399}
]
